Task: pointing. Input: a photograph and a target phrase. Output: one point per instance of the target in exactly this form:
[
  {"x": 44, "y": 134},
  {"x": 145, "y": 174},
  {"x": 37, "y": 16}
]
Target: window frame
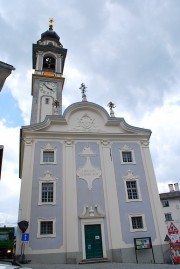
[
  {"x": 48, "y": 178},
  {"x": 48, "y": 148},
  {"x": 40, "y": 220},
  {"x": 47, "y": 194},
  {"x": 143, "y": 222},
  {"x": 165, "y": 203},
  {"x": 127, "y": 149},
  {"x": 130, "y": 177},
  {"x": 168, "y": 214}
]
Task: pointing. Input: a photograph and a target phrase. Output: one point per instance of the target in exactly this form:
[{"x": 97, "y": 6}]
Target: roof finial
[
  {"x": 111, "y": 105},
  {"x": 83, "y": 90},
  {"x": 51, "y": 23}
]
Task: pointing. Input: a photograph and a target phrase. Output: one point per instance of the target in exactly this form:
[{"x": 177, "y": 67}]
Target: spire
[{"x": 51, "y": 23}]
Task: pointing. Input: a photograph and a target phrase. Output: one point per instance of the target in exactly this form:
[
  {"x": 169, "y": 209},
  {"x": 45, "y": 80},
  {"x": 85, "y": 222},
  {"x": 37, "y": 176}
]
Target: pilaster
[
  {"x": 71, "y": 216},
  {"x": 111, "y": 199}
]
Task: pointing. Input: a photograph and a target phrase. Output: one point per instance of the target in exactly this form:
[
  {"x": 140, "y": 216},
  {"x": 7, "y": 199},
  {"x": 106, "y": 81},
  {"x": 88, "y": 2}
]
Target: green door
[{"x": 93, "y": 241}]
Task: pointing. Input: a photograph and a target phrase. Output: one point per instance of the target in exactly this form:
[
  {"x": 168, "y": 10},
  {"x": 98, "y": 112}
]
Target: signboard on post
[
  {"x": 25, "y": 237},
  {"x": 143, "y": 243}
]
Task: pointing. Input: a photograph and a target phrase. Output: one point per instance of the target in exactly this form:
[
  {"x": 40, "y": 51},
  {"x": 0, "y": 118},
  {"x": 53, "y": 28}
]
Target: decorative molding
[
  {"x": 87, "y": 152},
  {"x": 130, "y": 176},
  {"x": 92, "y": 212},
  {"x": 89, "y": 173},
  {"x": 28, "y": 141},
  {"x": 86, "y": 122},
  {"x": 69, "y": 142},
  {"x": 126, "y": 147},
  {"x": 48, "y": 147},
  {"x": 144, "y": 143},
  {"x": 48, "y": 177},
  {"x": 105, "y": 142}
]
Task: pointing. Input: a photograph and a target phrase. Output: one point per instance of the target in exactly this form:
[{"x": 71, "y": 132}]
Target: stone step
[{"x": 95, "y": 260}]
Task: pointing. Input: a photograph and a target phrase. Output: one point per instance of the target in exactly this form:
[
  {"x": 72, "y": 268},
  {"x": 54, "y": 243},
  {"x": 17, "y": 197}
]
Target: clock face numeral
[{"x": 47, "y": 87}]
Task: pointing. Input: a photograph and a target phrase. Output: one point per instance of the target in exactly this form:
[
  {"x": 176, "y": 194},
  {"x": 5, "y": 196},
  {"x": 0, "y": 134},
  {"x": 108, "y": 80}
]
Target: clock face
[{"x": 47, "y": 87}]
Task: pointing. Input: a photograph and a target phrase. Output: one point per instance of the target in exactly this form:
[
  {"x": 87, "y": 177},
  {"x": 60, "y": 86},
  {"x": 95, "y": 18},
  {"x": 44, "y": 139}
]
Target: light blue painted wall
[
  {"x": 126, "y": 208},
  {"x": 92, "y": 197},
  {"x": 47, "y": 211}
]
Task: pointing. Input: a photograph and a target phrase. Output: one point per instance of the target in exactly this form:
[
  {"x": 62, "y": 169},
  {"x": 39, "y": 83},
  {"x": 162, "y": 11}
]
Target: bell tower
[{"x": 47, "y": 81}]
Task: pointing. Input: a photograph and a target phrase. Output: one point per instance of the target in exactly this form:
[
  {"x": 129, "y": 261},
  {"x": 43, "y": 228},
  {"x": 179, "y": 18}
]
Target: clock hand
[{"x": 47, "y": 87}]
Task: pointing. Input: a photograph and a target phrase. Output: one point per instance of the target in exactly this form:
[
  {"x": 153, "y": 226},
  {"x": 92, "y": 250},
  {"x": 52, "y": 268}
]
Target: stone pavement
[{"x": 102, "y": 266}]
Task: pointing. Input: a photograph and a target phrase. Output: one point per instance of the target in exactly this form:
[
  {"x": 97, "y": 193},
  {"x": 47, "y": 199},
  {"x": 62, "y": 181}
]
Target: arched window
[{"x": 49, "y": 64}]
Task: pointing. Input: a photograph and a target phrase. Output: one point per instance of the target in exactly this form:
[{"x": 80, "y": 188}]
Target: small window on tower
[{"x": 46, "y": 101}]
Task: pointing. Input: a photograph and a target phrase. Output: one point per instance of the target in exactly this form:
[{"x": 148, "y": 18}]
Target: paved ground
[{"x": 103, "y": 266}]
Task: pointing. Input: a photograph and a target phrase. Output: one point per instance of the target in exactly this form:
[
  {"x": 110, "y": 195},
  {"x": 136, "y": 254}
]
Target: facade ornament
[
  {"x": 68, "y": 142},
  {"x": 47, "y": 177},
  {"x": 48, "y": 147},
  {"x": 88, "y": 172},
  {"x": 126, "y": 147},
  {"x": 83, "y": 90},
  {"x": 130, "y": 176},
  {"x": 56, "y": 107},
  {"x": 86, "y": 122},
  {"x": 105, "y": 142},
  {"x": 144, "y": 143},
  {"x": 28, "y": 141},
  {"x": 92, "y": 212},
  {"x": 111, "y": 105},
  {"x": 87, "y": 151}
]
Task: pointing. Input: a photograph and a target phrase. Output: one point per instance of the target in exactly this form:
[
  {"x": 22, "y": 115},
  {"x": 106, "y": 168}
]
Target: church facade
[{"x": 88, "y": 187}]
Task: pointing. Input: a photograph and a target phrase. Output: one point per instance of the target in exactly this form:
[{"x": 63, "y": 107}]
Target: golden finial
[{"x": 51, "y": 23}]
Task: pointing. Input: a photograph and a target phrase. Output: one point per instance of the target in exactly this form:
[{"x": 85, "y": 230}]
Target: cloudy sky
[{"x": 125, "y": 51}]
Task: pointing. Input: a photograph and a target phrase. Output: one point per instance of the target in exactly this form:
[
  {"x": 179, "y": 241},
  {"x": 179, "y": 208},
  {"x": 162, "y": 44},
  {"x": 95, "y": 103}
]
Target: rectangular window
[
  {"x": 46, "y": 227},
  {"x": 48, "y": 156},
  {"x": 46, "y": 101},
  {"x": 132, "y": 189},
  {"x": 168, "y": 216},
  {"x": 165, "y": 203},
  {"x": 47, "y": 192},
  {"x": 137, "y": 222},
  {"x": 127, "y": 156}
]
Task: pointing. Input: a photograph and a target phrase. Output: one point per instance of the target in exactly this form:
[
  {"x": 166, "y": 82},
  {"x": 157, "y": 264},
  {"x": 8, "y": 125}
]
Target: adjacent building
[
  {"x": 88, "y": 187},
  {"x": 5, "y": 71},
  {"x": 171, "y": 205}
]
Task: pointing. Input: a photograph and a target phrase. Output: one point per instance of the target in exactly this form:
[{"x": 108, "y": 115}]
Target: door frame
[{"x": 93, "y": 222}]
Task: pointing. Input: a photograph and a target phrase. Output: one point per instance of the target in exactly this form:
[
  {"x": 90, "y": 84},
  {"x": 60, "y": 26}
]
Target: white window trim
[
  {"x": 47, "y": 179},
  {"x": 49, "y": 147},
  {"x": 144, "y": 229},
  {"x": 39, "y": 235},
  {"x": 131, "y": 177},
  {"x": 126, "y": 148}
]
